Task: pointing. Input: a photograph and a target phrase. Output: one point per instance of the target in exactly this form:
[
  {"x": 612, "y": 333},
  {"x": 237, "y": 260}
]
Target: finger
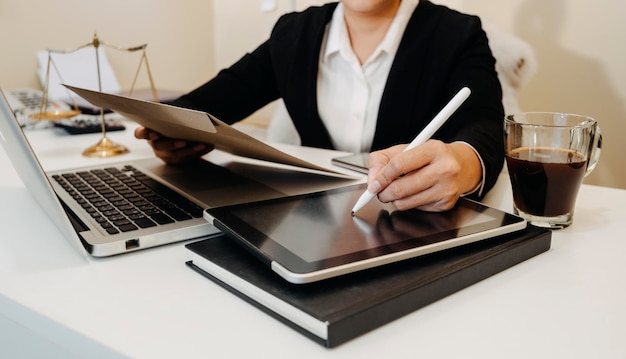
[
  {"x": 177, "y": 149},
  {"x": 376, "y": 162},
  {"x": 169, "y": 144},
  {"x": 379, "y": 159},
  {"x": 423, "y": 194},
  {"x": 426, "y": 202},
  {"x": 141, "y": 133},
  {"x": 144, "y": 133},
  {"x": 401, "y": 164},
  {"x": 411, "y": 188},
  {"x": 184, "y": 155}
]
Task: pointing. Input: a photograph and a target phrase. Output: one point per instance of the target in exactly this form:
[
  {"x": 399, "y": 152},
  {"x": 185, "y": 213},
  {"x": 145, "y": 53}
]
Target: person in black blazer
[{"x": 439, "y": 52}]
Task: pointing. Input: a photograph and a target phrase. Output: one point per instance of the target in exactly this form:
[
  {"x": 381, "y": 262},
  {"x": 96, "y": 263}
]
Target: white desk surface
[{"x": 568, "y": 302}]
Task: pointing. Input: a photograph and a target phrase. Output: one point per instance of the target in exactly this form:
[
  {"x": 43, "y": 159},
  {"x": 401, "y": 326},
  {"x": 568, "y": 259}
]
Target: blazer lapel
[
  {"x": 300, "y": 76},
  {"x": 397, "y": 113}
]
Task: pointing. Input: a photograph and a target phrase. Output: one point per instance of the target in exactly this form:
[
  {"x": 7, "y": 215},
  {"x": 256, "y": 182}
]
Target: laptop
[{"x": 112, "y": 209}]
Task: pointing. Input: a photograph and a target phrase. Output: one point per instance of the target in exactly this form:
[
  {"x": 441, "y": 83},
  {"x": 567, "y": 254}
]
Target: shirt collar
[{"x": 338, "y": 40}]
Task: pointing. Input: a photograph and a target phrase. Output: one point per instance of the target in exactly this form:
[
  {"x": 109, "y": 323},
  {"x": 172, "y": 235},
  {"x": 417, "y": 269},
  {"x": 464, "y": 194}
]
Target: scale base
[
  {"x": 54, "y": 115},
  {"x": 105, "y": 148}
]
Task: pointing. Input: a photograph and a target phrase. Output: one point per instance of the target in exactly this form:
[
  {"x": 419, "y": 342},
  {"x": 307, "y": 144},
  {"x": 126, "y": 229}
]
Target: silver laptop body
[{"x": 202, "y": 185}]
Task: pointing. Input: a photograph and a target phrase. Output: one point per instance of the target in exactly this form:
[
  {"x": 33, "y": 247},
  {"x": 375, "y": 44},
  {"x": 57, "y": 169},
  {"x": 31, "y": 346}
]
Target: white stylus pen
[{"x": 423, "y": 136}]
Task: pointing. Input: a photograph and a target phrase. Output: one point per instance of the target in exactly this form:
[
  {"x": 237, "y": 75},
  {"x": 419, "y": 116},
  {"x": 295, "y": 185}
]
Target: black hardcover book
[{"x": 336, "y": 310}]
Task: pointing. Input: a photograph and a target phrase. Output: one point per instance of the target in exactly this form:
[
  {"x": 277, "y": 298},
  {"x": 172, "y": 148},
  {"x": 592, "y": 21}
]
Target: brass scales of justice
[{"x": 104, "y": 147}]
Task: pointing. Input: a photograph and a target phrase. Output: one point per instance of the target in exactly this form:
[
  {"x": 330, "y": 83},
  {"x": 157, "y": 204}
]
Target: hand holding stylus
[{"x": 423, "y": 136}]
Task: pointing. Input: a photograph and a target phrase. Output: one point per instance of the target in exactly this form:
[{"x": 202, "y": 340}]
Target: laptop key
[
  {"x": 144, "y": 222},
  {"x": 128, "y": 227},
  {"x": 161, "y": 218},
  {"x": 112, "y": 230},
  {"x": 177, "y": 214}
]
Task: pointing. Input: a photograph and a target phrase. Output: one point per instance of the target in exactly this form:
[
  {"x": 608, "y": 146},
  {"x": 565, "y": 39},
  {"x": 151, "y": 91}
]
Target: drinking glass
[{"x": 548, "y": 154}]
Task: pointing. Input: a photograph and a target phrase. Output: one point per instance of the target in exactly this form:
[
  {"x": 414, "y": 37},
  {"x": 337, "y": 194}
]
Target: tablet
[
  {"x": 356, "y": 162},
  {"x": 307, "y": 238}
]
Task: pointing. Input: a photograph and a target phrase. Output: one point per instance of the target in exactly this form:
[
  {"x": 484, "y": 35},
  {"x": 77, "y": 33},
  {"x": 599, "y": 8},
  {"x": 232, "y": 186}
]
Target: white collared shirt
[{"x": 348, "y": 93}]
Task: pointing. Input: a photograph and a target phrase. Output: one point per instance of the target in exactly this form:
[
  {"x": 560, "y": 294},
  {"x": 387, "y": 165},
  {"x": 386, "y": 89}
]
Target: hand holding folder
[{"x": 196, "y": 126}]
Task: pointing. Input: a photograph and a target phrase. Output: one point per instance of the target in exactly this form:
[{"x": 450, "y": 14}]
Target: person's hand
[
  {"x": 430, "y": 177},
  {"x": 172, "y": 151}
]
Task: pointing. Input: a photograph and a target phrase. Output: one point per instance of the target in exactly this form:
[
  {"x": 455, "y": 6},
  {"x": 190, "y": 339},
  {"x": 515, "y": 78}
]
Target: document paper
[{"x": 198, "y": 126}]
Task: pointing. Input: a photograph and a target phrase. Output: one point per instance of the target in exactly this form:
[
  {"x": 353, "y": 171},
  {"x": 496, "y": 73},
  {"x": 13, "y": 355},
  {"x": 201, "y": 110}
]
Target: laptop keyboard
[{"x": 125, "y": 199}]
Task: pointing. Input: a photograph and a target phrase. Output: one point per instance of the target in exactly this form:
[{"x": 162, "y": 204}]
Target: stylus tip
[{"x": 352, "y": 213}]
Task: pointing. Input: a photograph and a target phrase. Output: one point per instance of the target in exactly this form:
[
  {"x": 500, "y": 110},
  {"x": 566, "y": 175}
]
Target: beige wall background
[
  {"x": 581, "y": 58},
  {"x": 178, "y": 34},
  {"x": 578, "y": 45}
]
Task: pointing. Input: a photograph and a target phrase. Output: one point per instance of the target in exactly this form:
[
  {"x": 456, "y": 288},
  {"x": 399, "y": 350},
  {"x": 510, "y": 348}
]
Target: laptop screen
[{"x": 32, "y": 174}]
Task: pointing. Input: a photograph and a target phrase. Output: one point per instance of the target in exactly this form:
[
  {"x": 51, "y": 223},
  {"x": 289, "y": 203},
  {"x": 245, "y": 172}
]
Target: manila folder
[{"x": 192, "y": 125}]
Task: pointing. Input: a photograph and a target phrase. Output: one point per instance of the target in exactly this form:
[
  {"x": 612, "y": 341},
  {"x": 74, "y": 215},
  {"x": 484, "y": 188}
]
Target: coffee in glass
[{"x": 548, "y": 155}]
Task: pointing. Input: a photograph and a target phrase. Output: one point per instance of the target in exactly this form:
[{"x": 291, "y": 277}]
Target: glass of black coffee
[{"x": 547, "y": 155}]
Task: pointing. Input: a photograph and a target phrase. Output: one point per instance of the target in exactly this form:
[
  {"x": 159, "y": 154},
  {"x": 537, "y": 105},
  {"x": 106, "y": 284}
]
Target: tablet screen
[
  {"x": 317, "y": 231},
  {"x": 314, "y": 228}
]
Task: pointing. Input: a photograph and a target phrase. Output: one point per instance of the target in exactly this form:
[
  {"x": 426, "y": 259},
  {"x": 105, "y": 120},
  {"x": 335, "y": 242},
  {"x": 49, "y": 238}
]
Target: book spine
[{"x": 260, "y": 306}]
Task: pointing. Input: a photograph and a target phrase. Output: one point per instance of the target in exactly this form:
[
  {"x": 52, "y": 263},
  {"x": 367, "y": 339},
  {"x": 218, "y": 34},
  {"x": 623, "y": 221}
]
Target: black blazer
[{"x": 440, "y": 52}]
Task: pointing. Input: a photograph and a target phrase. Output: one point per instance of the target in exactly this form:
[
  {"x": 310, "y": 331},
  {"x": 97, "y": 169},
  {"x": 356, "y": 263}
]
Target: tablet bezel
[{"x": 298, "y": 270}]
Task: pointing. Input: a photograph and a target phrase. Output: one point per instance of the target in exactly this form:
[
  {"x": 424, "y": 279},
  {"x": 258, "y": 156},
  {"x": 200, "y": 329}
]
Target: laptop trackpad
[{"x": 209, "y": 183}]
